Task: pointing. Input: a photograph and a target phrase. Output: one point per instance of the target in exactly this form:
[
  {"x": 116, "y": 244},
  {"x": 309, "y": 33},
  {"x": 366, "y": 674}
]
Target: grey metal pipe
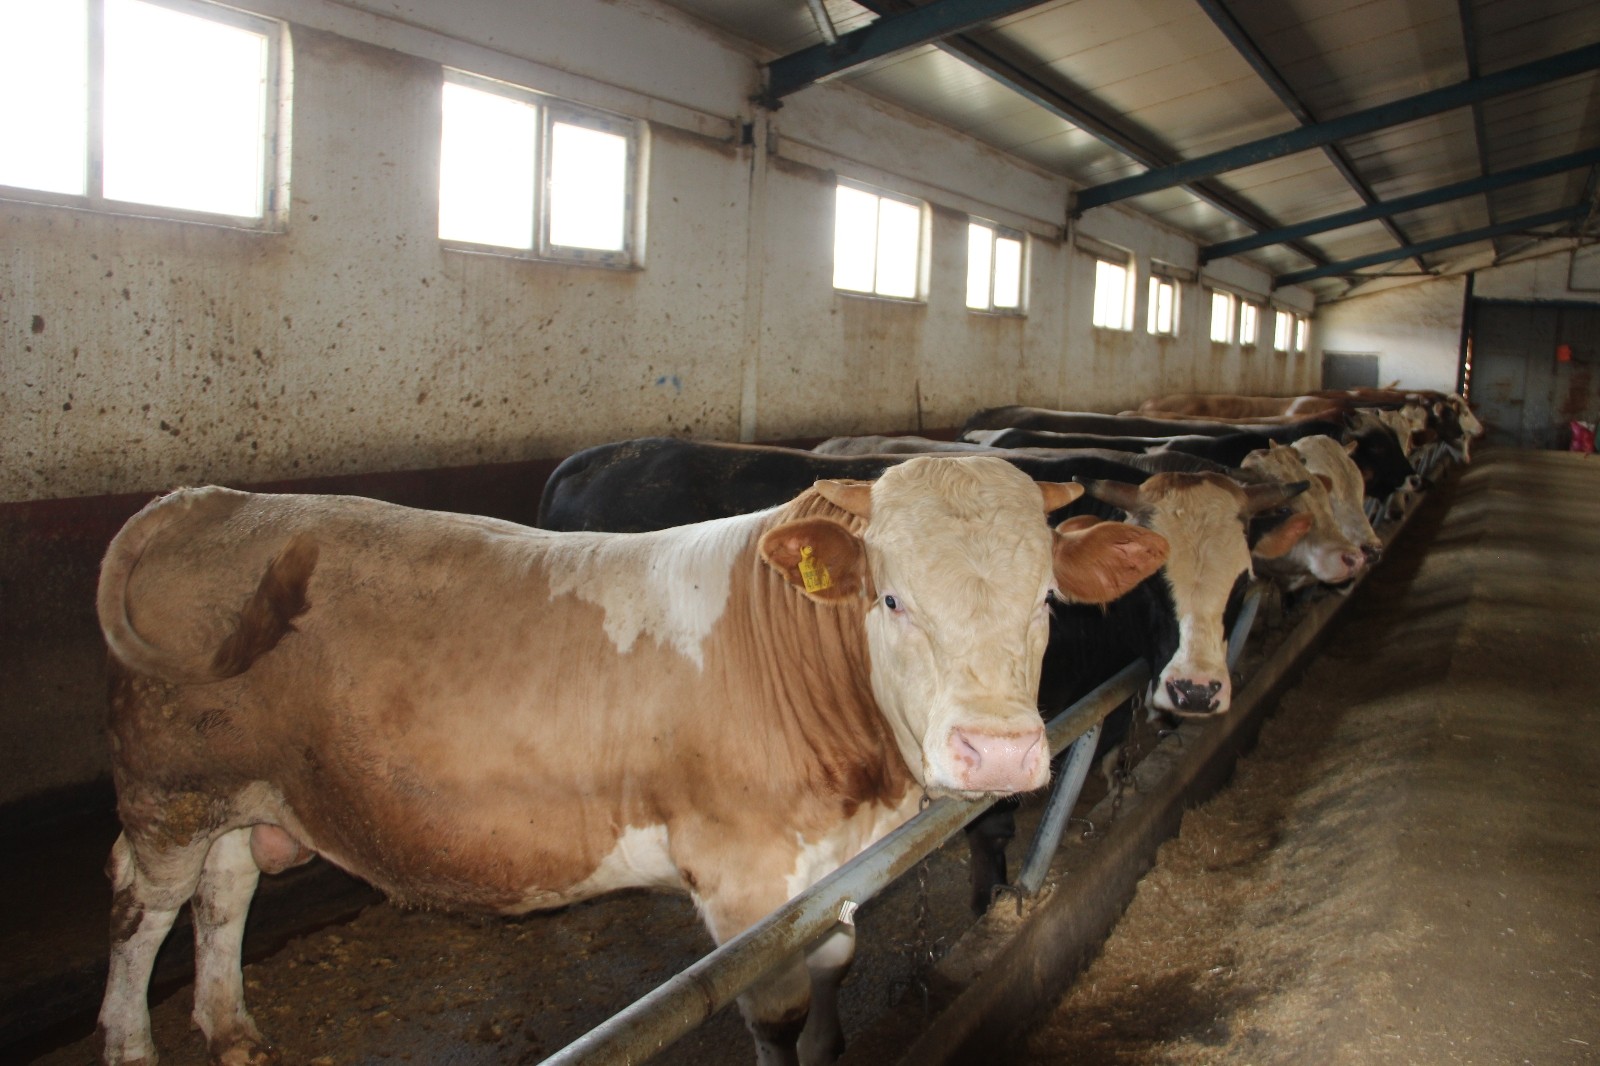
[{"x": 1058, "y": 812}]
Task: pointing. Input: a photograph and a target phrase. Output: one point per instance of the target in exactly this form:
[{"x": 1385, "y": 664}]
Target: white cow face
[
  {"x": 1328, "y": 459},
  {"x": 960, "y": 561},
  {"x": 1325, "y": 553}
]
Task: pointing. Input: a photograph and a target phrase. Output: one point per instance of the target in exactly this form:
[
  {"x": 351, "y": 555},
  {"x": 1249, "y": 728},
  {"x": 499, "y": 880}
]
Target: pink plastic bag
[{"x": 1582, "y": 437}]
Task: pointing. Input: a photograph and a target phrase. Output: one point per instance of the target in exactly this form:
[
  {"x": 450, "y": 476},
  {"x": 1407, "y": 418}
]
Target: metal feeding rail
[{"x": 692, "y": 996}]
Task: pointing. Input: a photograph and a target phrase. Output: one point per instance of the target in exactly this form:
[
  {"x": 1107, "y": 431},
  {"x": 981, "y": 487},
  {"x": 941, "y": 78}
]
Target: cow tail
[{"x": 265, "y": 619}]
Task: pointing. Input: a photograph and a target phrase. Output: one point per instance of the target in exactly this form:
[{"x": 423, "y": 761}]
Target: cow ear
[
  {"x": 1058, "y": 494},
  {"x": 852, "y": 496},
  {"x": 1100, "y": 563},
  {"x": 818, "y": 556},
  {"x": 1078, "y": 523},
  {"x": 1351, "y": 446},
  {"x": 1279, "y": 539},
  {"x": 1327, "y": 482}
]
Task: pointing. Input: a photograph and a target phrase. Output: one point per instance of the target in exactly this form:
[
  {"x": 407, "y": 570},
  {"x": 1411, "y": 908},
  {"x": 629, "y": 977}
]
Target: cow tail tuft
[{"x": 269, "y": 615}]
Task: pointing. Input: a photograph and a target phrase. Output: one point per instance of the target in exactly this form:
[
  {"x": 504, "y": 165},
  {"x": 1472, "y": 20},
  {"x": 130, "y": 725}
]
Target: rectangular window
[
  {"x": 1163, "y": 317},
  {"x": 994, "y": 268},
  {"x": 1282, "y": 331},
  {"x": 166, "y": 104},
  {"x": 1302, "y": 333},
  {"x": 1111, "y": 290},
  {"x": 877, "y": 243},
  {"x": 1249, "y": 324},
  {"x": 527, "y": 174},
  {"x": 1221, "y": 317}
]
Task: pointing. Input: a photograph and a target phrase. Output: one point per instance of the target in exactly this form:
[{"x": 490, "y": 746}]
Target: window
[
  {"x": 1282, "y": 330},
  {"x": 178, "y": 111},
  {"x": 994, "y": 268},
  {"x": 1111, "y": 290},
  {"x": 1163, "y": 317},
  {"x": 877, "y": 243},
  {"x": 1302, "y": 333},
  {"x": 524, "y": 173},
  {"x": 1221, "y": 317},
  {"x": 1249, "y": 327}
]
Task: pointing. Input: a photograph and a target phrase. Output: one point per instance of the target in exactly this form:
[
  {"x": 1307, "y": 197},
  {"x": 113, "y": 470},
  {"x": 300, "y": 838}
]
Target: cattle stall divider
[{"x": 689, "y": 998}]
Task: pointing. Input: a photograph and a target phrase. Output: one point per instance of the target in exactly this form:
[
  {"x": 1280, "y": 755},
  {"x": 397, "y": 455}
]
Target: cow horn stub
[{"x": 1118, "y": 494}]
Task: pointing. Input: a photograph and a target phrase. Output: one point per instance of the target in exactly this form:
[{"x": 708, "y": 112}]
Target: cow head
[
  {"x": 952, "y": 566},
  {"x": 1325, "y": 553},
  {"x": 1334, "y": 464},
  {"x": 1205, "y": 520}
]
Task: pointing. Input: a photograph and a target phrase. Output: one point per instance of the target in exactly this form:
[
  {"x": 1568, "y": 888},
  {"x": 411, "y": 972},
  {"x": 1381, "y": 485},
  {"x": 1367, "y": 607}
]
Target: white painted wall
[
  {"x": 138, "y": 353},
  {"x": 1416, "y": 328}
]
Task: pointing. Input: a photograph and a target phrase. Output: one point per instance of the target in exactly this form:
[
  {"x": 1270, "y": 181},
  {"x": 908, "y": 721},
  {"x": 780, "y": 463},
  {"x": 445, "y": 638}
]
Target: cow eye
[{"x": 891, "y": 603}]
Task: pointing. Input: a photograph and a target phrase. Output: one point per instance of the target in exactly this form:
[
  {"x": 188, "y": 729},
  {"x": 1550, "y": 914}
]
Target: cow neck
[{"x": 812, "y": 659}]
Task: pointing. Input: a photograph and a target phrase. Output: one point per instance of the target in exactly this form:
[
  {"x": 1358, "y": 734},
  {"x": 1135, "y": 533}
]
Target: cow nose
[
  {"x": 998, "y": 762},
  {"x": 1352, "y": 563},
  {"x": 1193, "y": 697},
  {"x": 1373, "y": 553}
]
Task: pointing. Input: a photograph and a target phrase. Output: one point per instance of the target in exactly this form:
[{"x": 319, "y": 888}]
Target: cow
[
  {"x": 1229, "y": 405},
  {"x": 1326, "y": 554},
  {"x": 473, "y": 714},
  {"x": 1176, "y": 620},
  {"x": 1019, "y": 417},
  {"x": 1331, "y": 463}
]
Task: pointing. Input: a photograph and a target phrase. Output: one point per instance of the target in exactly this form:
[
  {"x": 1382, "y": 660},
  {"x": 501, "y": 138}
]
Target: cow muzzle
[
  {"x": 1194, "y": 697},
  {"x": 983, "y": 759}
]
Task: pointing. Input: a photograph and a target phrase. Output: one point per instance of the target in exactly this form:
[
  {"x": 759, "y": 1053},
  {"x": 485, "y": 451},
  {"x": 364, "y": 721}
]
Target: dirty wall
[{"x": 139, "y": 353}]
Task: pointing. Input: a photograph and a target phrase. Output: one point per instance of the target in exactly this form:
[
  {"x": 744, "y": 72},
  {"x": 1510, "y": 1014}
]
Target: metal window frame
[
  {"x": 1283, "y": 314},
  {"x": 996, "y": 232},
  {"x": 921, "y": 296},
  {"x": 551, "y": 110},
  {"x": 274, "y": 120},
  {"x": 1254, "y": 340}
]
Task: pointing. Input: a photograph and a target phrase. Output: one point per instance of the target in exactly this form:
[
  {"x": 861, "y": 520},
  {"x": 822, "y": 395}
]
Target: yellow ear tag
[{"x": 813, "y": 571}]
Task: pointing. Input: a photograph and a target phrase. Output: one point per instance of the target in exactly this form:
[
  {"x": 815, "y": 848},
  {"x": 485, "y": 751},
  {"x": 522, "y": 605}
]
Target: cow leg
[
  {"x": 775, "y": 1010},
  {"x": 822, "y": 1040},
  {"x": 147, "y": 893},
  {"x": 227, "y": 883}
]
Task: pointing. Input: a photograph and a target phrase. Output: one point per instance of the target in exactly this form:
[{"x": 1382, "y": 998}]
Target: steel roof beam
[
  {"x": 1252, "y": 54},
  {"x": 1056, "y": 101},
  {"x": 885, "y": 36},
  {"x": 1444, "y": 193},
  {"x": 1349, "y": 266},
  {"x": 1461, "y": 94}
]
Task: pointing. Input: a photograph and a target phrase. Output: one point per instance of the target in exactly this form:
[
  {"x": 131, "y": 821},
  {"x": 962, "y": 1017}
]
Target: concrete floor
[{"x": 1407, "y": 869}]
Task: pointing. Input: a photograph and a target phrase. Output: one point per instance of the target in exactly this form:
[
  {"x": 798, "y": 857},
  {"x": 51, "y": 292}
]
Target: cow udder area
[{"x": 1407, "y": 867}]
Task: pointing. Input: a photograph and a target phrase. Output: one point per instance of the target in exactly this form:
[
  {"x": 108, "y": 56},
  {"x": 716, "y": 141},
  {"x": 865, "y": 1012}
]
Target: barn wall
[
  {"x": 139, "y": 353},
  {"x": 1416, "y": 328}
]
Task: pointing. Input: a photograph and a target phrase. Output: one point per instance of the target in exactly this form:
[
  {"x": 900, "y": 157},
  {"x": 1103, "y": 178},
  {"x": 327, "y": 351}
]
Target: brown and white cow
[
  {"x": 1331, "y": 462},
  {"x": 1326, "y": 553},
  {"x": 474, "y": 714}
]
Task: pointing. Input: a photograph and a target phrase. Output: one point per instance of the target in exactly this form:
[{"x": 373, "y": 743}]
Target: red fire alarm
[{"x": 1563, "y": 353}]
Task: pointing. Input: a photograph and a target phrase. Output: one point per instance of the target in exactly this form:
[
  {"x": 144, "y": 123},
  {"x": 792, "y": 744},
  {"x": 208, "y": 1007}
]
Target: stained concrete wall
[{"x": 138, "y": 353}]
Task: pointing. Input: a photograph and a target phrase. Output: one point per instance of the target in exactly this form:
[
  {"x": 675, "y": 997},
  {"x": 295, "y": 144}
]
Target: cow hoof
[{"x": 246, "y": 1053}]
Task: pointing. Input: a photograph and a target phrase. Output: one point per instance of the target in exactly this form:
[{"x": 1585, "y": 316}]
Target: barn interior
[{"x": 1169, "y": 195}]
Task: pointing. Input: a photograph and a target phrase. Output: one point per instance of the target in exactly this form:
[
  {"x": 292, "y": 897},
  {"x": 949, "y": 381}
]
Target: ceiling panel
[{"x": 1164, "y": 75}]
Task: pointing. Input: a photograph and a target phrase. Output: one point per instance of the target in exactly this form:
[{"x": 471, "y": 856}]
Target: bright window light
[
  {"x": 1007, "y": 273},
  {"x": 186, "y": 104},
  {"x": 1163, "y": 317},
  {"x": 1110, "y": 295},
  {"x": 994, "y": 268},
  {"x": 1282, "y": 324},
  {"x": 1302, "y": 331},
  {"x": 1249, "y": 329},
  {"x": 486, "y": 168},
  {"x": 877, "y": 244},
  {"x": 529, "y": 174},
  {"x": 186, "y": 101},
  {"x": 980, "y": 265},
  {"x": 588, "y": 187},
  {"x": 44, "y": 60},
  {"x": 1221, "y": 317}
]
